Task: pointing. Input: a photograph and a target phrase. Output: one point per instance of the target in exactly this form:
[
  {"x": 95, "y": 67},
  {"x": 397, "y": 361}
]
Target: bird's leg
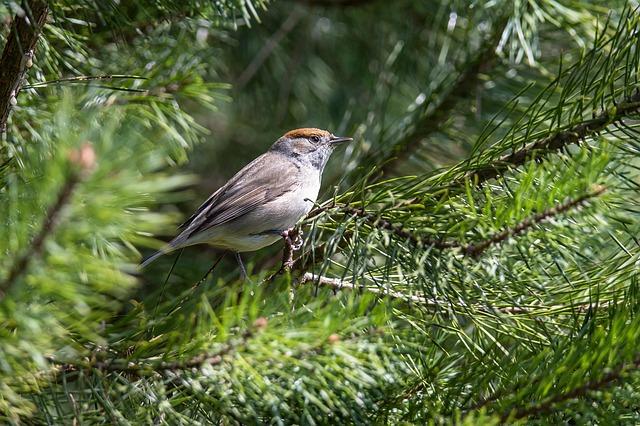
[
  {"x": 292, "y": 242},
  {"x": 244, "y": 274}
]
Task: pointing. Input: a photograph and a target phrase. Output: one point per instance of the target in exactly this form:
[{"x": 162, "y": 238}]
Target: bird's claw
[
  {"x": 293, "y": 238},
  {"x": 292, "y": 242}
]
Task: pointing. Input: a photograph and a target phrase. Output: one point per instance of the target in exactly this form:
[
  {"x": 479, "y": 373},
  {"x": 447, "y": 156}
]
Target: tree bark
[{"x": 18, "y": 54}]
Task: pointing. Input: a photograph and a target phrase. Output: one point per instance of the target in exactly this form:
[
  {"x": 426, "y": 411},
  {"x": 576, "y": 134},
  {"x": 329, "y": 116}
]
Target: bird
[{"x": 263, "y": 201}]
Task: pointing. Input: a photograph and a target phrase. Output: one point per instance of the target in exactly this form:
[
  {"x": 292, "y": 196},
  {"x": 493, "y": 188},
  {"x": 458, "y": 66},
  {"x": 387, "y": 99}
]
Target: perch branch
[{"x": 337, "y": 284}]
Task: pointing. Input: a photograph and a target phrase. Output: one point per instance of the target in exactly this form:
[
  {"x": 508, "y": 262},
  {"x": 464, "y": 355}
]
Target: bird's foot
[
  {"x": 292, "y": 243},
  {"x": 293, "y": 238}
]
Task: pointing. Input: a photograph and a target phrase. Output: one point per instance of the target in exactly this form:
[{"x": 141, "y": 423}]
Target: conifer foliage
[{"x": 473, "y": 258}]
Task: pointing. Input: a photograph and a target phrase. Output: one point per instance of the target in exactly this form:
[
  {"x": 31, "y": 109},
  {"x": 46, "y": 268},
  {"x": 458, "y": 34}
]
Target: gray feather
[{"x": 253, "y": 186}]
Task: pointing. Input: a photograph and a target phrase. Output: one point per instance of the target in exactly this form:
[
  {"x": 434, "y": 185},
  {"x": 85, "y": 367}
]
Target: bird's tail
[
  {"x": 153, "y": 257},
  {"x": 176, "y": 243}
]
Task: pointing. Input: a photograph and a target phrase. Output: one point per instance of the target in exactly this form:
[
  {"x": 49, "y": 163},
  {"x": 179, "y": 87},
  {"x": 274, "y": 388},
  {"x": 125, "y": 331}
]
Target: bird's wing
[{"x": 254, "y": 185}]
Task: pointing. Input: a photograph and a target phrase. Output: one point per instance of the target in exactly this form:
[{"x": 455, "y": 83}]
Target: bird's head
[{"x": 309, "y": 145}]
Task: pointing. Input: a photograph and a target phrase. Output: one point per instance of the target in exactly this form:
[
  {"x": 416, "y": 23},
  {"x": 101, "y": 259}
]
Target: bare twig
[
  {"x": 337, "y": 284},
  {"x": 17, "y": 55}
]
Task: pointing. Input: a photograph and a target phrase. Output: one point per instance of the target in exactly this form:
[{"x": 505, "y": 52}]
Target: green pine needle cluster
[{"x": 472, "y": 260}]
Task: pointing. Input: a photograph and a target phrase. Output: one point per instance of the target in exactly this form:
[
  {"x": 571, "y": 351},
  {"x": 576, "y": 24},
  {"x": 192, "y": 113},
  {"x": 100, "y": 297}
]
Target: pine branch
[
  {"x": 435, "y": 119},
  {"x": 17, "y": 55},
  {"x": 84, "y": 159},
  {"x": 147, "y": 368},
  {"x": 337, "y": 284},
  {"x": 560, "y": 140},
  {"x": 606, "y": 381},
  {"x": 474, "y": 250}
]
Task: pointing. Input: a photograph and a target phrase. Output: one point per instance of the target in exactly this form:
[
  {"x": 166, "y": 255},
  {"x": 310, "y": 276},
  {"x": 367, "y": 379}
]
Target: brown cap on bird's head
[
  {"x": 318, "y": 134},
  {"x": 306, "y": 132}
]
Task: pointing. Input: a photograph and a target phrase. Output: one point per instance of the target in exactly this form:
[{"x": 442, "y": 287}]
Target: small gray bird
[{"x": 264, "y": 200}]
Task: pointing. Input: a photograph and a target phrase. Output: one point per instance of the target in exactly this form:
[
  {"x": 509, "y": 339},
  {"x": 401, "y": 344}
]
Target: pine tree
[{"x": 472, "y": 260}]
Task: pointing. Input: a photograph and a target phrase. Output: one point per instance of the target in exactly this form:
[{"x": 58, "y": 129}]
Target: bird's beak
[{"x": 339, "y": 139}]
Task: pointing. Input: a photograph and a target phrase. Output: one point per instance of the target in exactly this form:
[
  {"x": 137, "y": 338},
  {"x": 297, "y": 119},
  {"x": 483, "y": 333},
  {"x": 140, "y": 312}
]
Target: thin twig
[
  {"x": 189, "y": 294},
  {"x": 35, "y": 248},
  {"x": 84, "y": 78},
  {"x": 538, "y": 149},
  {"x": 162, "y": 289},
  {"x": 150, "y": 367},
  {"x": 604, "y": 382},
  {"x": 17, "y": 55},
  {"x": 337, "y": 284},
  {"x": 476, "y": 249}
]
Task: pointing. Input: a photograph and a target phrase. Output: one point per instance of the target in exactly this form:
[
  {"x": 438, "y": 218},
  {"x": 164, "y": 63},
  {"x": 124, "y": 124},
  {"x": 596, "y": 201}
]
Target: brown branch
[
  {"x": 17, "y": 55},
  {"x": 397, "y": 230},
  {"x": 541, "y": 148},
  {"x": 292, "y": 242},
  {"x": 85, "y": 160},
  {"x": 146, "y": 368},
  {"x": 544, "y": 407},
  {"x": 475, "y": 249}
]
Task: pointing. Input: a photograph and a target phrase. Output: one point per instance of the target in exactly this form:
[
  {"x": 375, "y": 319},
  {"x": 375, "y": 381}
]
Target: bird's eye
[{"x": 315, "y": 139}]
